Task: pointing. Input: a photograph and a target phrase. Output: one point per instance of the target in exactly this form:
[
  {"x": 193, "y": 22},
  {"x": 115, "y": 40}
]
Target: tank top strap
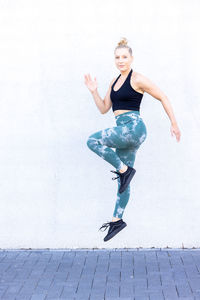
[
  {"x": 127, "y": 81},
  {"x": 129, "y": 75},
  {"x": 131, "y": 72},
  {"x": 116, "y": 80}
]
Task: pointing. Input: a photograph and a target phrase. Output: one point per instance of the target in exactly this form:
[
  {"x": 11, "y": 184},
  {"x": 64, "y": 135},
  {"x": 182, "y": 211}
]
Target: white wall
[{"x": 54, "y": 191}]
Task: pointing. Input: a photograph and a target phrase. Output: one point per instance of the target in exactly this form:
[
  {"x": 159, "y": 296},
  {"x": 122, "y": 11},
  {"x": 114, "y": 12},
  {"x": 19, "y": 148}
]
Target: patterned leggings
[{"x": 126, "y": 138}]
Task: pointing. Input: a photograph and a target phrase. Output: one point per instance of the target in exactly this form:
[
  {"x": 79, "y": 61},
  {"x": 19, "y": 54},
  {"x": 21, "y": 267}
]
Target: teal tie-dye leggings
[{"x": 126, "y": 138}]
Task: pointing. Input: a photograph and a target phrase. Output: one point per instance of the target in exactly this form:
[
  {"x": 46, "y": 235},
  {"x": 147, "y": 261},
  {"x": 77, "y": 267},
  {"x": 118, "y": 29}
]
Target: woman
[{"x": 125, "y": 94}]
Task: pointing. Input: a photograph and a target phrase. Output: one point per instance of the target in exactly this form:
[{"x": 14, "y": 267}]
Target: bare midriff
[{"x": 119, "y": 112}]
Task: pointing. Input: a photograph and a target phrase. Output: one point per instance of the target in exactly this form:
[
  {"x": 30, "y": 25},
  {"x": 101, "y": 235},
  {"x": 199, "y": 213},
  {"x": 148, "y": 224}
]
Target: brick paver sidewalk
[{"x": 103, "y": 274}]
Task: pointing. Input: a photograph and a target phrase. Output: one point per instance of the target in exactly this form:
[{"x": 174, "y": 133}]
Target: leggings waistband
[{"x": 133, "y": 113}]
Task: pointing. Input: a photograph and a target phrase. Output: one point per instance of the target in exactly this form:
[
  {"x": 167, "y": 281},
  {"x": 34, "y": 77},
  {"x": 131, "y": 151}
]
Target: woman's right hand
[{"x": 92, "y": 85}]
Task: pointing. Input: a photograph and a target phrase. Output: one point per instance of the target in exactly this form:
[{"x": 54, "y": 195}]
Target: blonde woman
[{"x": 124, "y": 95}]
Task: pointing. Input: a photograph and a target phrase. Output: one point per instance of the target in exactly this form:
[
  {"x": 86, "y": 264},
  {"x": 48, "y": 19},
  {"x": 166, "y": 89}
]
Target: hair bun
[{"x": 123, "y": 41}]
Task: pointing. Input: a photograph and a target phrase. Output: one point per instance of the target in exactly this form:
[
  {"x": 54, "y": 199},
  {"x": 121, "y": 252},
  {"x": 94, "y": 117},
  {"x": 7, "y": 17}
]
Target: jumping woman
[{"x": 124, "y": 95}]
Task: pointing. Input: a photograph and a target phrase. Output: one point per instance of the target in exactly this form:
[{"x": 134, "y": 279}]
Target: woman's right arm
[{"x": 102, "y": 105}]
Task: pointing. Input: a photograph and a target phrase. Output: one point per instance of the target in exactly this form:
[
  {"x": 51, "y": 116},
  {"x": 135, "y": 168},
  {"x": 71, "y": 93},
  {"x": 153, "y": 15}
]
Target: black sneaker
[
  {"x": 115, "y": 227},
  {"x": 125, "y": 178}
]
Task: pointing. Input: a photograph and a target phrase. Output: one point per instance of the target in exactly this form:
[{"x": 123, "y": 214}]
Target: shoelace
[
  {"x": 105, "y": 225},
  {"x": 116, "y": 173}
]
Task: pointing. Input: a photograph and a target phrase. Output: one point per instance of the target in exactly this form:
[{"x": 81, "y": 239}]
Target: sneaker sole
[
  {"x": 128, "y": 181},
  {"x": 115, "y": 232}
]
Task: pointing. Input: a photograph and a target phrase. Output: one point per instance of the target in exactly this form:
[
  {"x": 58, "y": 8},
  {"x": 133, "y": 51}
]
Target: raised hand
[{"x": 91, "y": 84}]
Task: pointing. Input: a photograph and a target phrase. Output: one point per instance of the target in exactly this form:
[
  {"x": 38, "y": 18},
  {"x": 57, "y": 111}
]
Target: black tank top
[{"x": 126, "y": 97}]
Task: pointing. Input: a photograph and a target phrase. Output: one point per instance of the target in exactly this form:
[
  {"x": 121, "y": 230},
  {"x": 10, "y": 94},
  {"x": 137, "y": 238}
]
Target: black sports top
[{"x": 126, "y": 97}]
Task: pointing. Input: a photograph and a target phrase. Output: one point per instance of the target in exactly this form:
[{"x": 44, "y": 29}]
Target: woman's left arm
[{"x": 149, "y": 87}]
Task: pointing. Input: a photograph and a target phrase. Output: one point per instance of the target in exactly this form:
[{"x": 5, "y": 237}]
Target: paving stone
[{"x": 124, "y": 274}]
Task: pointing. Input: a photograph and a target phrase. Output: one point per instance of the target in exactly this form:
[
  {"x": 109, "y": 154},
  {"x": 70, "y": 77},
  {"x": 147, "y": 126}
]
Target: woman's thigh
[
  {"x": 114, "y": 137},
  {"x": 136, "y": 133},
  {"x": 129, "y": 135}
]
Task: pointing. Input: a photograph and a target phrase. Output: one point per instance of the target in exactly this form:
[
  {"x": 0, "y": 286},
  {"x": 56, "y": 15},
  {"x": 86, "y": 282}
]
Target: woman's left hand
[{"x": 175, "y": 131}]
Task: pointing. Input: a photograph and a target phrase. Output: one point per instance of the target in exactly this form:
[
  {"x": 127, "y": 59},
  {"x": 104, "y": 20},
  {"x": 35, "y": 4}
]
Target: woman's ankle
[
  {"x": 124, "y": 169},
  {"x": 114, "y": 219}
]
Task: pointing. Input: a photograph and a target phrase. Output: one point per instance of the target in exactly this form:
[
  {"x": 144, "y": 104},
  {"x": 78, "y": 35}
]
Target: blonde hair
[{"x": 123, "y": 43}]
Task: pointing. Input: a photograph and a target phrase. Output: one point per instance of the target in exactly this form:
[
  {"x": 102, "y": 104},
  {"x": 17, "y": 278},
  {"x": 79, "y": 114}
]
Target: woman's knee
[{"x": 91, "y": 142}]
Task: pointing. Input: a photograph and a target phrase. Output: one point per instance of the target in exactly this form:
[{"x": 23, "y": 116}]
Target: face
[{"x": 123, "y": 59}]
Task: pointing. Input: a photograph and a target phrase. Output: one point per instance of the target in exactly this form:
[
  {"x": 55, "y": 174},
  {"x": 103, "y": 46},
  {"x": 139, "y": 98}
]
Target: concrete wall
[{"x": 54, "y": 191}]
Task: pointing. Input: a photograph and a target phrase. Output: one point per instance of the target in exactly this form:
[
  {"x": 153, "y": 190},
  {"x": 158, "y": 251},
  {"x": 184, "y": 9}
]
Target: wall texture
[{"x": 54, "y": 191}]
